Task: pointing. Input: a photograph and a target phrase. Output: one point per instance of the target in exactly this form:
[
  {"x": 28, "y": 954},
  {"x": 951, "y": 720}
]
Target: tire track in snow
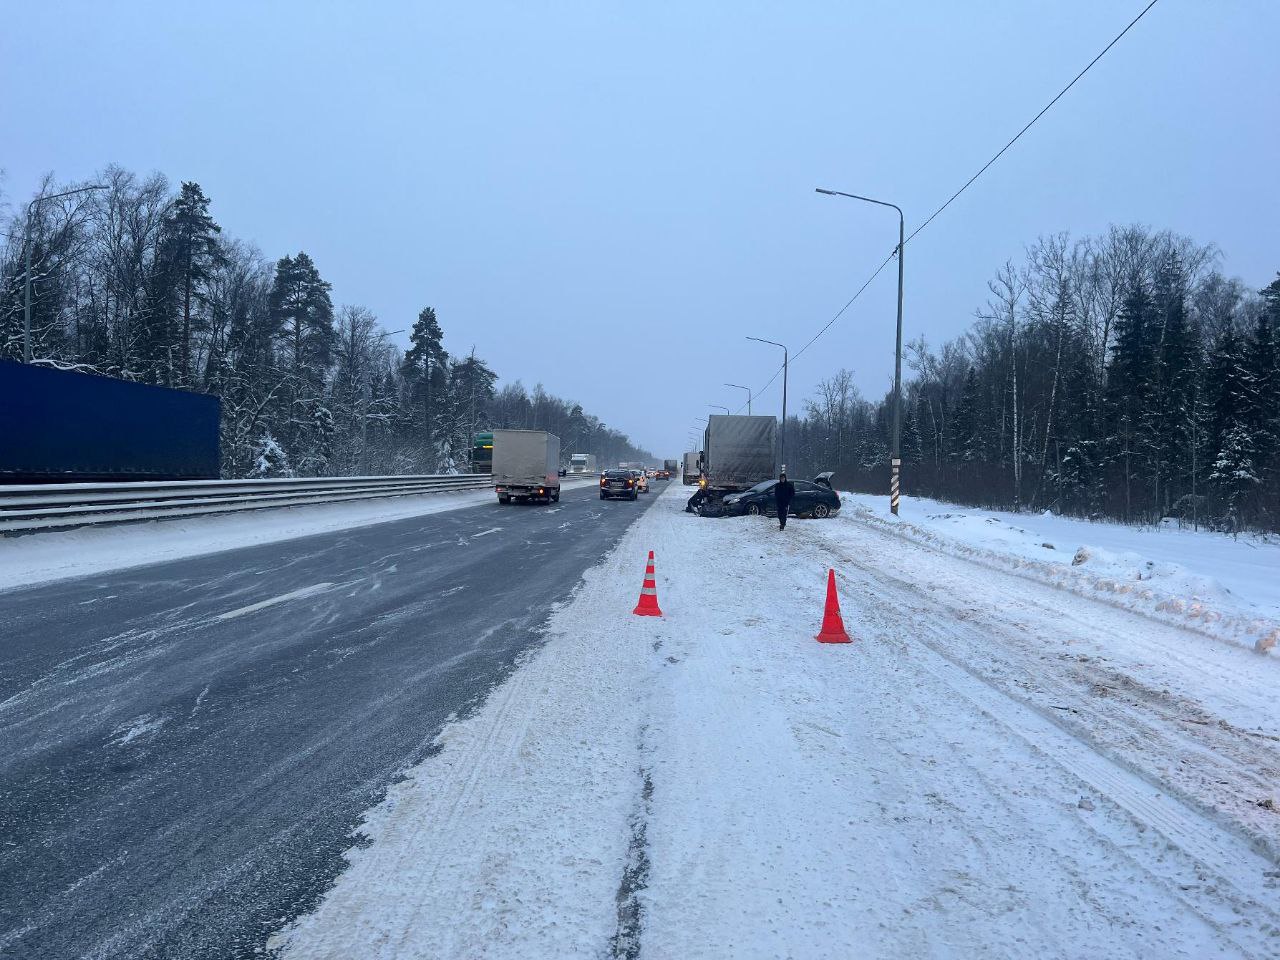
[{"x": 1193, "y": 831}]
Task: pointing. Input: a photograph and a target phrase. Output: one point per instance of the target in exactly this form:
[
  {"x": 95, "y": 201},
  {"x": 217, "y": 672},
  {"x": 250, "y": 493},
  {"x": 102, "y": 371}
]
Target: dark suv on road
[{"x": 618, "y": 483}]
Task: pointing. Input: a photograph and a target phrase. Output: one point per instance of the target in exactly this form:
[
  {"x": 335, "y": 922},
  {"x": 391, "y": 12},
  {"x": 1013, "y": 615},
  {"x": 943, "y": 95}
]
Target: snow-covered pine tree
[
  {"x": 302, "y": 317},
  {"x": 190, "y": 239},
  {"x": 1168, "y": 420},
  {"x": 1234, "y": 473},
  {"x": 1130, "y": 385},
  {"x": 426, "y": 380}
]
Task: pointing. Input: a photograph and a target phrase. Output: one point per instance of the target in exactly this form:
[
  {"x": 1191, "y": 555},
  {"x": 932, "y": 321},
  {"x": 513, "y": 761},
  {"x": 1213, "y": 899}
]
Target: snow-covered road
[{"x": 995, "y": 768}]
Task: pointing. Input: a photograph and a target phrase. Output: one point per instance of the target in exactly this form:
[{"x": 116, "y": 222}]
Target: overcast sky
[{"x": 608, "y": 197}]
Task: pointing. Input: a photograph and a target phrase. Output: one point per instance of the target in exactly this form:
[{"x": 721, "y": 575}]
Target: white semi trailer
[
  {"x": 737, "y": 453},
  {"x": 582, "y": 463},
  {"x": 526, "y": 465}
]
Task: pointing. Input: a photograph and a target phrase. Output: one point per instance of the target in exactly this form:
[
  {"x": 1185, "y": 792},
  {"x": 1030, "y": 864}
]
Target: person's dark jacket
[{"x": 784, "y": 491}]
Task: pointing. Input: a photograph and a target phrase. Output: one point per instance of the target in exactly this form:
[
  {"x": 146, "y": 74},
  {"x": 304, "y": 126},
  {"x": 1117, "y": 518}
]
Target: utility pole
[{"x": 895, "y": 454}]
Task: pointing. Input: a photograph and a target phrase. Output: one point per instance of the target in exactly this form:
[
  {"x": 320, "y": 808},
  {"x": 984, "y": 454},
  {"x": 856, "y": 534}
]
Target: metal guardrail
[{"x": 34, "y": 507}]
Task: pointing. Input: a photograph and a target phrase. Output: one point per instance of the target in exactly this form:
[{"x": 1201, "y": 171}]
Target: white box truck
[
  {"x": 582, "y": 463},
  {"x": 526, "y": 465}
]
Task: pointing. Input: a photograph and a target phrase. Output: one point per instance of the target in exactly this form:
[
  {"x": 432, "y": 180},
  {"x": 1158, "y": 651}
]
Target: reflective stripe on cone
[{"x": 648, "y": 605}]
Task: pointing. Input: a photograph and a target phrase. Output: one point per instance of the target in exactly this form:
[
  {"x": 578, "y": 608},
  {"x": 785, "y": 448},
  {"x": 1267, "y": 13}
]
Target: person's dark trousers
[{"x": 782, "y": 519}]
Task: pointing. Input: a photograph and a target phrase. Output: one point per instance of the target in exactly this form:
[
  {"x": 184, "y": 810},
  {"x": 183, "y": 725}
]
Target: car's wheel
[
  {"x": 603, "y": 497},
  {"x": 504, "y": 500},
  {"x": 555, "y": 497},
  {"x": 821, "y": 511},
  {"x": 753, "y": 510}
]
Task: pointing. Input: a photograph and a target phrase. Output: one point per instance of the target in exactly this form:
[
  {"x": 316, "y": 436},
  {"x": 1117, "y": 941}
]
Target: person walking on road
[{"x": 784, "y": 491}]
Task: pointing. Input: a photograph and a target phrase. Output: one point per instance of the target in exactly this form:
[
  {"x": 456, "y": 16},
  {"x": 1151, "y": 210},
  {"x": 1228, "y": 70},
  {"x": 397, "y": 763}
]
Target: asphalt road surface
[{"x": 186, "y": 747}]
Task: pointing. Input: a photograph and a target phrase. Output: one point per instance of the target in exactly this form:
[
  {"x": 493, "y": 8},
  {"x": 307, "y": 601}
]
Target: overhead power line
[{"x": 965, "y": 186}]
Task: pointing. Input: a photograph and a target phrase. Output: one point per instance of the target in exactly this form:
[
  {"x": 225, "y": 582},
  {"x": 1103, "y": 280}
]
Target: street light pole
[
  {"x": 895, "y": 455},
  {"x": 748, "y": 389},
  {"x": 26, "y": 283},
  {"x": 718, "y": 406},
  {"x": 786, "y": 362}
]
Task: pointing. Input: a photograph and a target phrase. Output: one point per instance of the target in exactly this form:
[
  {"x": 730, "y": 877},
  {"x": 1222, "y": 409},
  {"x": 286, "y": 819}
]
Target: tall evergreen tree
[
  {"x": 302, "y": 317},
  {"x": 968, "y": 436},
  {"x": 191, "y": 238},
  {"x": 302, "y": 313},
  {"x": 471, "y": 389},
  {"x": 426, "y": 375},
  {"x": 1172, "y": 405},
  {"x": 1130, "y": 386}
]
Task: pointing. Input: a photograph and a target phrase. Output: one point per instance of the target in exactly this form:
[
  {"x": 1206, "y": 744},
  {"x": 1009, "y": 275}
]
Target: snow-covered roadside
[
  {"x": 511, "y": 841},
  {"x": 1223, "y": 587},
  {"x": 994, "y": 768},
  {"x": 44, "y": 557}
]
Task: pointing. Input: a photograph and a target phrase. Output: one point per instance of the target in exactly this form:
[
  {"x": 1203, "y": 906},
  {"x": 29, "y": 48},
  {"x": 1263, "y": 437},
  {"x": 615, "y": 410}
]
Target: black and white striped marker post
[{"x": 893, "y": 486}]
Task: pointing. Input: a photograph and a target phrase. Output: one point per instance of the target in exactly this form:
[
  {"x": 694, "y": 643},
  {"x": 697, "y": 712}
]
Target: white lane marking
[
  {"x": 485, "y": 533},
  {"x": 199, "y": 700},
  {"x": 140, "y": 726},
  {"x": 284, "y": 597}
]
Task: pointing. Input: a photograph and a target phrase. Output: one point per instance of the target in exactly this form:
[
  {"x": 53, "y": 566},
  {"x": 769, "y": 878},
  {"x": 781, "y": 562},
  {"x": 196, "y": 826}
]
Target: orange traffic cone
[
  {"x": 648, "y": 605},
  {"x": 832, "y": 623}
]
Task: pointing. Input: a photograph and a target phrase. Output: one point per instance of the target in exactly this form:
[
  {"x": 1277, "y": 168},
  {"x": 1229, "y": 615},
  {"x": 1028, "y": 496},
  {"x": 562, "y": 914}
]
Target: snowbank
[{"x": 1223, "y": 587}]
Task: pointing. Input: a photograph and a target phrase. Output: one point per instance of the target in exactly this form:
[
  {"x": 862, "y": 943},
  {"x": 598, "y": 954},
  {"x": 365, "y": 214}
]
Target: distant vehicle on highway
[
  {"x": 642, "y": 481},
  {"x": 670, "y": 468},
  {"x": 814, "y": 498},
  {"x": 690, "y": 471},
  {"x": 526, "y": 465},
  {"x": 619, "y": 484},
  {"x": 482, "y": 453},
  {"x": 582, "y": 463}
]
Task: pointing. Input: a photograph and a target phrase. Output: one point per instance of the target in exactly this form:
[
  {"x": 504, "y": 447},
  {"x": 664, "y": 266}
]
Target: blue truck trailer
[{"x": 57, "y": 426}]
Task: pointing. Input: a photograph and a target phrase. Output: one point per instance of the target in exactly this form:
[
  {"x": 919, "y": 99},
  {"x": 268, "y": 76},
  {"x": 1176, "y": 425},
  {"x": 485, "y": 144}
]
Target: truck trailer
[
  {"x": 57, "y": 426},
  {"x": 691, "y": 470},
  {"x": 526, "y": 465},
  {"x": 737, "y": 452},
  {"x": 582, "y": 463}
]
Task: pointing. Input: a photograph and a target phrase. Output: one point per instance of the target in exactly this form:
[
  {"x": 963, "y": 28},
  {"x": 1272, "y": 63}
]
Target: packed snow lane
[
  {"x": 994, "y": 767},
  {"x": 188, "y": 745}
]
